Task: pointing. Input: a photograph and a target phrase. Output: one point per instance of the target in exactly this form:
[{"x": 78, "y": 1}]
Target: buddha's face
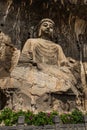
[{"x": 46, "y": 29}]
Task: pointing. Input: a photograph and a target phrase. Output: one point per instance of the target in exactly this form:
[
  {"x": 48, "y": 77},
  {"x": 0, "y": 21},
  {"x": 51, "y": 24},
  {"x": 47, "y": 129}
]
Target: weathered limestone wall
[{"x": 19, "y": 19}]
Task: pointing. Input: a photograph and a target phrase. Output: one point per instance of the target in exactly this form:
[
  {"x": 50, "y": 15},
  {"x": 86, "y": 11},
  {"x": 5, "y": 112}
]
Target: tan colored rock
[
  {"x": 35, "y": 83},
  {"x": 44, "y": 79},
  {"x": 44, "y": 70}
]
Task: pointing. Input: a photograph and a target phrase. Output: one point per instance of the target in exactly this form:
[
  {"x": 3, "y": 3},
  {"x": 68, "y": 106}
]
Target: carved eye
[
  {"x": 51, "y": 27},
  {"x": 45, "y": 24}
]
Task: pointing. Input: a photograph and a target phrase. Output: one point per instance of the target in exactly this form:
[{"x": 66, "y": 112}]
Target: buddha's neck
[{"x": 45, "y": 37}]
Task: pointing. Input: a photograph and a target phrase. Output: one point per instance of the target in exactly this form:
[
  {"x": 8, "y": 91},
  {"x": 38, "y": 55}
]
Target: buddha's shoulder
[
  {"x": 32, "y": 40},
  {"x": 58, "y": 46},
  {"x": 35, "y": 41}
]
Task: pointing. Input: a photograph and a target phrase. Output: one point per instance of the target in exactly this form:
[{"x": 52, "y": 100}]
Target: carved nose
[{"x": 48, "y": 27}]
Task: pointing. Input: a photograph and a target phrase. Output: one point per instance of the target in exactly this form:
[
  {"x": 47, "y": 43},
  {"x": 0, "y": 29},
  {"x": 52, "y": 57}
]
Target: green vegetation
[
  {"x": 74, "y": 117},
  {"x": 9, "y": 117}
]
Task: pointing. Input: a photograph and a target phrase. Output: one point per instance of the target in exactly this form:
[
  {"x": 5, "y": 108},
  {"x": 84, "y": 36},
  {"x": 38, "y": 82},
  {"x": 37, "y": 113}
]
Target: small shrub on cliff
[
  {"x": 74, "y": 117},
  {"x": 29, "y": 118},
  {"x": 7, "y": 116},
  {"x": 43, "y": 118},
  {"x": 66, "y": 118},
  {"x": 77, "y": 116}
]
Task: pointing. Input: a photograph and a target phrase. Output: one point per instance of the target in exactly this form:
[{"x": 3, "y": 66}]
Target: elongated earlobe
[{"x": 39, "y": 33}]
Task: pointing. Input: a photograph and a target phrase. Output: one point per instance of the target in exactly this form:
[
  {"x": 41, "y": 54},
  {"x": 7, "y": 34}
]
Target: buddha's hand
[
  {"x": 64, "y": 63},
  {"x": 41, "y": 66},
  {"x": 69, "y": 62}
]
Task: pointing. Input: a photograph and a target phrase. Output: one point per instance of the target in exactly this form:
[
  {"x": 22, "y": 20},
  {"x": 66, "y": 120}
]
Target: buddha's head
[{"x": 46, "y": 27}]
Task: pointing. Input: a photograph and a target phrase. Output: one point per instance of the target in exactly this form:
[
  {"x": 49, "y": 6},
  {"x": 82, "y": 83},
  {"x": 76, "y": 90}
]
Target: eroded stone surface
[
  {"x": 36, "y": 83},
  {"x": 9, "y": 55},
  {"x": 43, "y": 75}
]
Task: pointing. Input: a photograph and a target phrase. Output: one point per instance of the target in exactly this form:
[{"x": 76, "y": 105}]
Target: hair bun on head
[{"x": 45, "y": 20}]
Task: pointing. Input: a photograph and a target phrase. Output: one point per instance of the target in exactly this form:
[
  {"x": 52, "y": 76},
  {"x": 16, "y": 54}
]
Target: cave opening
[{"x": 3, "y": 99}]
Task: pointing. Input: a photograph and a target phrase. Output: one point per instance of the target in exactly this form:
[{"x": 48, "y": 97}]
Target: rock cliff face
[{"x": 19, "y": 20}]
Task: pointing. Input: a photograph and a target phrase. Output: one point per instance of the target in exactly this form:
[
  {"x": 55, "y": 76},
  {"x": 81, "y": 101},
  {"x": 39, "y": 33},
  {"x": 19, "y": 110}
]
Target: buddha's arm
[
  {"x": 25, "y": 55},
  {"x": 27, "y": 52},
  {"x": 61, "y": 57},
  {"x": 26, "y": 47}
]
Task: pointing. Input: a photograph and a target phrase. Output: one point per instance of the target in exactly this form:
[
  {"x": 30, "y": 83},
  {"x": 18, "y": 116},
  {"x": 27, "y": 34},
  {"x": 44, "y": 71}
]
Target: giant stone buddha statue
[
  {"x": 41, "y": 49},
  {"x": 43, "y": 68}
]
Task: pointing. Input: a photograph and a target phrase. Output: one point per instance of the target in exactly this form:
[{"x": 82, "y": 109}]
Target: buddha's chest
[{"x": 46, "y": 53}]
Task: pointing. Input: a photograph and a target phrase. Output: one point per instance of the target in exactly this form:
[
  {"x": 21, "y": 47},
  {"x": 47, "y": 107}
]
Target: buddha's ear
[
  {"x": 52, "y": 35},
  {"x": 39, "y": 33}
]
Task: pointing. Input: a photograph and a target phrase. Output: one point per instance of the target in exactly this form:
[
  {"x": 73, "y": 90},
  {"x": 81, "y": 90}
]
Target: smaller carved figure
[{"x": 9, "y": 55}]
